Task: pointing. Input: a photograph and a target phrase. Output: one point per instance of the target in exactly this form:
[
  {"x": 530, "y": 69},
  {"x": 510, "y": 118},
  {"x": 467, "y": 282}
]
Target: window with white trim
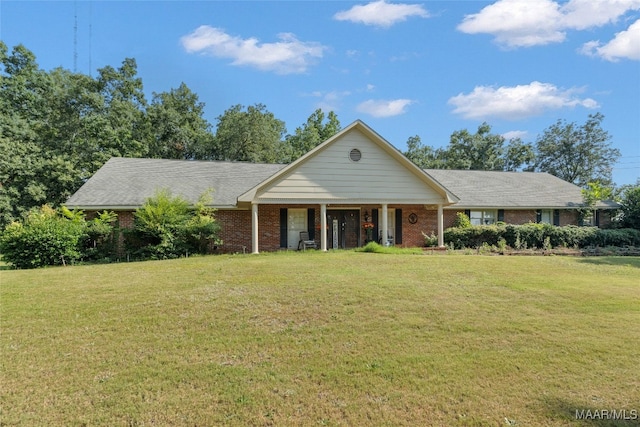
[
  {"x": 483, "y": 217},
  {"x": 546, "y": 216}
]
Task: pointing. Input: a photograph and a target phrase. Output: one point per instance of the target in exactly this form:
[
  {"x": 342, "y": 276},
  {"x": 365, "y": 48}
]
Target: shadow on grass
[
  {"x": 594, "y": 416},
  {"x": 613, "y": 260}
]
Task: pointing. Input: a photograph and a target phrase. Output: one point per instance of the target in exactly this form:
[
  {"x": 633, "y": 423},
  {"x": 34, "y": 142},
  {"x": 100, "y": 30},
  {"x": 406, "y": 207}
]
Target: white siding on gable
[{"x": 330, "y": 174}]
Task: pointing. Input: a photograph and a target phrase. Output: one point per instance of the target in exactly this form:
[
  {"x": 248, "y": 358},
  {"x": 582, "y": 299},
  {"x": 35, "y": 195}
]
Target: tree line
[
  {"x": 579, "y": 154},
  {"x": 57, "y": 128}
]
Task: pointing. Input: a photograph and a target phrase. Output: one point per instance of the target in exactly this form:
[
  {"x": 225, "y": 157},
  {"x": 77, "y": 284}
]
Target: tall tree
[
  {"x": 23, "y": 115},
  {"x": 127, "y": 133},
  {"x": 480, "y": 151},
  {"x": 423, "y": 155},
  {"x": 179, "y": 130},
  {"x": 519, "y": 155},
  {"x": 578, "y": 154},
  {"x": 315, "y": 131},
  {"x": 254, "y": 135}
]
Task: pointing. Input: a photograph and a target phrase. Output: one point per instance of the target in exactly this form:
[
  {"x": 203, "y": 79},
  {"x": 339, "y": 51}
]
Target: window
[
  {"x": 482, "y": 217},
  {"x": 545, "y": 216}
]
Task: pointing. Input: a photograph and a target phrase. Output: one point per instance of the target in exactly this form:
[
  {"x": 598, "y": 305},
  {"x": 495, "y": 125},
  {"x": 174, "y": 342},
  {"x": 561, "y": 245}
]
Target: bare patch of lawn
[{"x": 339, "y": 338}]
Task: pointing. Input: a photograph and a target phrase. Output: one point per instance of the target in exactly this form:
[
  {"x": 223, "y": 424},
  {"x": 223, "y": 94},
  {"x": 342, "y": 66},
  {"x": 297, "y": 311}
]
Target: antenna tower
[{"x": 75, "y": 37}]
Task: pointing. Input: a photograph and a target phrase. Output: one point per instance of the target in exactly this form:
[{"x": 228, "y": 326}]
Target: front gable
[{"x": 355, "y": 166}]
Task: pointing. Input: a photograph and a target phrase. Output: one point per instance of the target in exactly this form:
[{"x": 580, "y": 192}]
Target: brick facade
[{"x": 236, "y": 224}]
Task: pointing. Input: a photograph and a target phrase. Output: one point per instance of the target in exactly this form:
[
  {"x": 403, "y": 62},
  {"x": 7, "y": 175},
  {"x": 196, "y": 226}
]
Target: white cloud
[
  {"x": 513, "y": 134},
  {"x": 517, "y": 22},
  {"x": 625, "y": 44},
  {"x": 329, "y": 101},
  {"x": 516, "y": 102},
  {"x": 384, "y": 108},
  {"x": 585, "y": 14},
  {"x": 524, "y": 23},
  {"x": 381, "y": 14},
  {"x": 287, "y": 56}
]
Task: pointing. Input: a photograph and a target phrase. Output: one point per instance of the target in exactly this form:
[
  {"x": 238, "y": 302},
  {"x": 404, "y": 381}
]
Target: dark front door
[{"x": 343, "y": 229}]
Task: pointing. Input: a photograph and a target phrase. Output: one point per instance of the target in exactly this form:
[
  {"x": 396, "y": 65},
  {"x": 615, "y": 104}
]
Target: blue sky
[{"x": 405, "y": 68}]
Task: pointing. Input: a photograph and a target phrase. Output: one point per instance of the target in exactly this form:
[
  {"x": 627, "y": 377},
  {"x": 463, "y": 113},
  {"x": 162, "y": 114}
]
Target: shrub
[
  {"x": 44, "y": 237},
  {"x": 167, "y": 227},
  {"x": 430, "y": 240},
  {"x": 462, "y": 221},
  {"x": 543, "y": 236},
  {"x": 100, "y": 241}
]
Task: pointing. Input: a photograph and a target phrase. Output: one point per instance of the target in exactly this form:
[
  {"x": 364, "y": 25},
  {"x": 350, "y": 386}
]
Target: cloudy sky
[{"x": 405, "y": 68}]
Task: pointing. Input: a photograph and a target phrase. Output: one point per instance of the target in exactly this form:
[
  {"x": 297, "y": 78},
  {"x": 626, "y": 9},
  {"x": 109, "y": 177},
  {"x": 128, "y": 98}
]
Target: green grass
[{"x": 340, "y": 338}]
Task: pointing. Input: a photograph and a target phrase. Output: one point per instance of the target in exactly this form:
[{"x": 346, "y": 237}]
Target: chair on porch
[{"x": 305, "y": 242}]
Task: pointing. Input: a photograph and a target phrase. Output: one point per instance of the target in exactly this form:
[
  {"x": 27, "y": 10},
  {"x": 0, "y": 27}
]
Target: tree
[
  {"x": 480, "y": 151},
  {"x": 254, "y": 135},
  {"x": 312, "y": 133},
  {"x": 519, "y": 156},
  {"x": 577, "y": 154},
  {"x": 630, "y": 210},
  {"x": 179, "y": 130},
  {"x": 424, "y": 156}
]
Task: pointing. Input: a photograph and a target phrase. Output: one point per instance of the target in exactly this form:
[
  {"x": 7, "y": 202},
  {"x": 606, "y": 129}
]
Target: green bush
[
  {"x": 462, "y": 221},
  {"x": 168, "y": 227},
  {"x": 542, "y": 236},
  {"x": 44, "y": 237},
  {"x": 100, "y": 241},
  {"x": 613, "y": 237}
]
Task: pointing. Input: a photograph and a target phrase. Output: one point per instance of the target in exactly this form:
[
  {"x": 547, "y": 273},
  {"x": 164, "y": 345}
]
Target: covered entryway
[
  {"x": 354, "y": 168},
  {"x": 343, "y": 228}
]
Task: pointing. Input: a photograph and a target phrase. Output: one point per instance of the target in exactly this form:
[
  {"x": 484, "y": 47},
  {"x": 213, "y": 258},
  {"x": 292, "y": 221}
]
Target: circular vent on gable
[{"x": 355, "y": 155}]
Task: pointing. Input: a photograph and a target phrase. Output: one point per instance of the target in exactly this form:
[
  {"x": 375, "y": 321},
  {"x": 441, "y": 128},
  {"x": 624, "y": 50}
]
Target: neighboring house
[{"x": 355, "y": 186}]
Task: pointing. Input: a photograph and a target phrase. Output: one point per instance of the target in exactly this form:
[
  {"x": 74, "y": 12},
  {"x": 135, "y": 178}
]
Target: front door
[
  {"x": 296, "y": 222},
  {"x": 344, "y": 229}
]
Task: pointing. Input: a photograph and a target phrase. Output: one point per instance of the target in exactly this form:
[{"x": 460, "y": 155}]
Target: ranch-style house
[{"x": 352, "y": 188}]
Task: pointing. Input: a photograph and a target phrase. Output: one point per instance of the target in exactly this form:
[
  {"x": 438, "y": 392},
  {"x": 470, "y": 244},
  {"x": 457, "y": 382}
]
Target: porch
[{"x": 277, "y": 227}]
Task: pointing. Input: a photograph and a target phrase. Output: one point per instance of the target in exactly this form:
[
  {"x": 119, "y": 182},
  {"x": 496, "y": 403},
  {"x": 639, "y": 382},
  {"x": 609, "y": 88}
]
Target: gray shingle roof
[
  {"x": 127, "y": 183},
  {"x": 493, "y": 189}
]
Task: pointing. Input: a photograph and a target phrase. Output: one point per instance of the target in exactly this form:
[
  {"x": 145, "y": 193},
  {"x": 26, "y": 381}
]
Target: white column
[
  {"x": 440, "y": 227},
  {"x": 385, "y": 224},
  {"x": 323, "y": 227},
  {"x": 254, "y": 228}
]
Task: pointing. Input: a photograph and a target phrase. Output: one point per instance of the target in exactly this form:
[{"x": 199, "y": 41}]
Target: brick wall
[{"x": 236, "y": 224}]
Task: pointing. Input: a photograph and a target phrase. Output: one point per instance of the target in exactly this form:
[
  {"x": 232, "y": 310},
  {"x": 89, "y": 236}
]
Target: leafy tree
[
  {"x": 254, "y": 135},
  {"x": 519, "y": 155},
  {"x": 127, "y": 131},
  {"x": 424, "y": 156},
  {"x": 315, "y": 131},
  {"x": 480, "y": 151},
  {"x": 592, "y": 194},
  {"x": 630, "y": 210},
  {"x": 179, "y": 130},
  {"x": 577, "y": 154}
]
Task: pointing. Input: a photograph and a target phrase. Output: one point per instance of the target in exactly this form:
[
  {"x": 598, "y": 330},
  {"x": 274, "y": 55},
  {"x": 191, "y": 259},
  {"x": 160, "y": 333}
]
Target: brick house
[{"x": 356, "y": 186}]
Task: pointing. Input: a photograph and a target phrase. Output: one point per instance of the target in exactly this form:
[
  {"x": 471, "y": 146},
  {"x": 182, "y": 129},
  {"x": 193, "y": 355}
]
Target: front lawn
[{"x": 339, "y": 338}]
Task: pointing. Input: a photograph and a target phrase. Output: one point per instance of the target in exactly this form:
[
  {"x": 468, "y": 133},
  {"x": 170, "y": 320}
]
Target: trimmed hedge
[{"x": 534, "y": 236}]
